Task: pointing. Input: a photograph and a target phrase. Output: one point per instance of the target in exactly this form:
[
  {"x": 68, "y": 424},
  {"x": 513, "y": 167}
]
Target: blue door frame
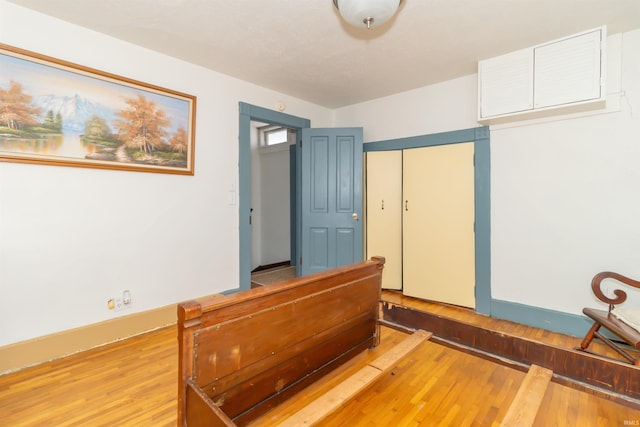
[
  {"x": 480, "y": 137},
  {"x": 249, "y": 113}
]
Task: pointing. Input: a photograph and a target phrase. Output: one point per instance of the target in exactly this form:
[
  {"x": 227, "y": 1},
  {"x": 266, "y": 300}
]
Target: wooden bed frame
[{"x": 242, "y": 354}]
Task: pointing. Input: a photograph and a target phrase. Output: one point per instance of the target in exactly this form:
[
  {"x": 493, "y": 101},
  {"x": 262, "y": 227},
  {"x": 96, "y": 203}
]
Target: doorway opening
[
  {"x": 263, "y": 116},
  {"x": 272, "y": 188}
]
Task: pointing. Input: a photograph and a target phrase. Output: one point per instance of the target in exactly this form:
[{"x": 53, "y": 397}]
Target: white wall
[
  {"x": 565, "y": 194},
  {"x": 565, "y": 200},
  {"x": 275, "y": 206},
  {"x": 256, "y": 200},
  {"x": 71, "y": 238},
  {"x": 270, "y": 201},
  {"x": 442, "y": 107}
]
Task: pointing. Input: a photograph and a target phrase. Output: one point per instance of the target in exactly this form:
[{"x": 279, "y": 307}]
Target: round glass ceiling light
[{"x": 367, "y": 13}]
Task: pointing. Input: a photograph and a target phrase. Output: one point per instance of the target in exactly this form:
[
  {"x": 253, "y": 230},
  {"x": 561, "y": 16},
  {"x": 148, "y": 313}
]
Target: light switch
[{"x": 231, "y": 198}]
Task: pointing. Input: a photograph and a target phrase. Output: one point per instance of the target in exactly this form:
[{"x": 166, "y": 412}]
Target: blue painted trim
[
  {"x": 551, "y": 320},
  {"x": 482, "y": 174},
  {"x": 452, "y": 137},
  {"x": 247, "y": 113},
  {"x": 293, "y": 210},
  {"x": 244, "y": 199},
  {"x": 265, "y": 115},
  {"x": 298, "y": 203},
  {"x": 482, "y": 187}
]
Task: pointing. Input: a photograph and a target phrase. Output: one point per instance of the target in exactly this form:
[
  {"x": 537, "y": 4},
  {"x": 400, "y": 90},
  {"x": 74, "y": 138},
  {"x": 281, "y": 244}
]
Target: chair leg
[
  {"x": 617, "y": 348},
  {"x": 594, "y": 333},
  {"x": 590, "y": 335}
]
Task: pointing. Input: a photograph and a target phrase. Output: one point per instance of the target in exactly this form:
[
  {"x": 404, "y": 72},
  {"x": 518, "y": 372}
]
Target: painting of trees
[
  {"x": 59, "y": 113},
  {"x": 142, "y": 125},
  {"x": 96, "y": 128},
  {"x": 53, "y": 122},
  {"x": 16, "y": 110},
  {"x": 179, "y": 142}
]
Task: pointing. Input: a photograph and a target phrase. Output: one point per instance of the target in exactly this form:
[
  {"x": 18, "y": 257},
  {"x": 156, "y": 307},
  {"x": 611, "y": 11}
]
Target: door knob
[{"x": 354, "y": 216}]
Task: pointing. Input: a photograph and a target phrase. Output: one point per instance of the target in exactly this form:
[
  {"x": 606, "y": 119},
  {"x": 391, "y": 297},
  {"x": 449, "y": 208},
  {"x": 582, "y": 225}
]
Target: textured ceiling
[{"x": 302, "y": 47}]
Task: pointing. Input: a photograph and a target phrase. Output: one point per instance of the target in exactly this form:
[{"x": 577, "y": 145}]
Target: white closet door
[
  {"x": 384, "y": 213},
  {"x": 438, "y": 221}
]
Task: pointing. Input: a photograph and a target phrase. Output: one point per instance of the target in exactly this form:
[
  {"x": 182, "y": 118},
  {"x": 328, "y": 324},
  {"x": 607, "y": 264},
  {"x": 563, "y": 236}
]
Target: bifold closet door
[
  {"x": 384, "y": 213},
  {"x": 438, "y": 220}
]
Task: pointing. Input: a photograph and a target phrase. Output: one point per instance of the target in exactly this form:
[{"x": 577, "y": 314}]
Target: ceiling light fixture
[{"x": 367, "y": 13}]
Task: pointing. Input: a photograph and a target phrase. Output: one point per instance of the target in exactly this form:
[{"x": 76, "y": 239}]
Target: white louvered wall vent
[{"x": 558, "y": 77}]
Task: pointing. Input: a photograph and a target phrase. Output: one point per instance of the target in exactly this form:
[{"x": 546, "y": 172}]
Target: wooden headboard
[{"x": 243, "y": 353}]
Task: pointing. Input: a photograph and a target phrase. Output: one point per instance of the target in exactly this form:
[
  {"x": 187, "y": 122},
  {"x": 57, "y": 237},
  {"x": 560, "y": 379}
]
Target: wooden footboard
[{"x": 242, "y": 354}]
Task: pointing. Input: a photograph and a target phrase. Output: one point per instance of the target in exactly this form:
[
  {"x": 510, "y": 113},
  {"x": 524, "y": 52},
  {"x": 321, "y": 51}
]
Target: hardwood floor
[
  {"x": 134, "y": 383},
  {"x": 129, "y": 383},
  {"x": 439, "y": 386}
]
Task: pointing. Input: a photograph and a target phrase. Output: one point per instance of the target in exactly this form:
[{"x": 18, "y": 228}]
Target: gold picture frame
[{"x": 54, "y": 112}]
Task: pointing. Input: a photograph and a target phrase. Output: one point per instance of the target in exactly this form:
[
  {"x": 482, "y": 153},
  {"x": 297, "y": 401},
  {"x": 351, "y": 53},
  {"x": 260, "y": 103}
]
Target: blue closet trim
[
  {"x": 452, "y": 137},
  {"x": 481, "y": 138},
  {"x": 566, "y": 323},
  {"x": 551, "y": 320}
]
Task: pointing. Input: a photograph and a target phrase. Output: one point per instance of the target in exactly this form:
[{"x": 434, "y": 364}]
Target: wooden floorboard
[
  {"x": 613, "y": 379},
  {"x": 129, "y": 383},
  {"x": 349, "y": 388},
  {"x": 524, "y": 408},
  {"x": 434, "y": 385},
  {"x": 134, "y": 383}
]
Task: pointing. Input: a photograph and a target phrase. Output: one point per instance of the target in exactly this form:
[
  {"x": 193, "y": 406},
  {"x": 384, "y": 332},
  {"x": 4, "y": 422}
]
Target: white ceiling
[{"x": 302, "y": 47}]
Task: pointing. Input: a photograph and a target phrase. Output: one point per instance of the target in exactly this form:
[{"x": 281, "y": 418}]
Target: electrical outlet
[
  {"x": 117, "y": 304},
  {"x": 126, "y": 297}
]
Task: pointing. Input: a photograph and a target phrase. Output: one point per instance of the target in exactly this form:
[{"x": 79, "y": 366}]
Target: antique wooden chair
[{"x": 610, "y": 321}]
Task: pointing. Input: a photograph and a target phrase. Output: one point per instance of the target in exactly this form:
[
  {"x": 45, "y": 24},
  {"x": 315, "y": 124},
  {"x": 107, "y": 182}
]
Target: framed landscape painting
[{"x": 55, "y": 112}]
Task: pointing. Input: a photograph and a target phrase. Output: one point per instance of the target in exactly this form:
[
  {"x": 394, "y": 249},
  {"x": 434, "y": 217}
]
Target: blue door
[{"x": 330, "y": 198}]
